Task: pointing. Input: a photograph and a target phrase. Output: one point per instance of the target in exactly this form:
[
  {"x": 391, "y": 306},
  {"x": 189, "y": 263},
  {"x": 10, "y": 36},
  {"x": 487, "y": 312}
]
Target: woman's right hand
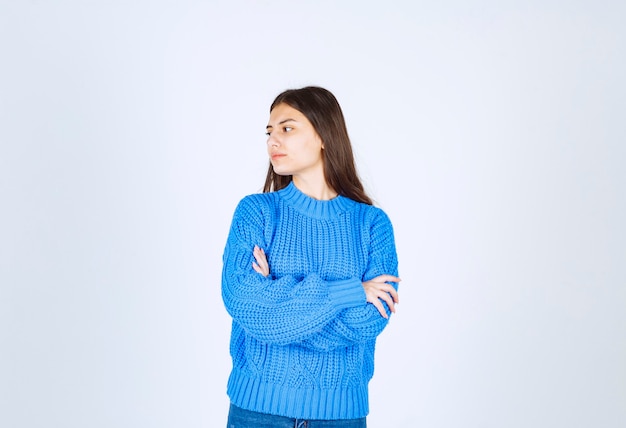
[
  {"x": 261, "y": 265},
  {"x": 377, "y": 289}
]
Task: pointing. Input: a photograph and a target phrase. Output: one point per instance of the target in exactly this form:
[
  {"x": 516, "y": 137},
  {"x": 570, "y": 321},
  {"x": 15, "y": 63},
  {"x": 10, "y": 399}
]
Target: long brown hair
[{"x": 321, "y": 108}]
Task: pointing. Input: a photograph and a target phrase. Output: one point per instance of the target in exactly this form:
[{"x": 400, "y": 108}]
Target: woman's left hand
[
  {"x": 378, "y": 290},
  {"x": 261, "y": 265}
]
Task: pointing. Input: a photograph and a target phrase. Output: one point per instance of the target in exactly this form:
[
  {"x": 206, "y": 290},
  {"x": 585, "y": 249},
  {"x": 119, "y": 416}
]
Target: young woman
[{"x": 309, "y": 277}]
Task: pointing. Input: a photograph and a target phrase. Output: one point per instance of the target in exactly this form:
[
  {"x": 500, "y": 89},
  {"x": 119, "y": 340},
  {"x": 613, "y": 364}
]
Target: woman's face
[{"x": 293, "y": 145}]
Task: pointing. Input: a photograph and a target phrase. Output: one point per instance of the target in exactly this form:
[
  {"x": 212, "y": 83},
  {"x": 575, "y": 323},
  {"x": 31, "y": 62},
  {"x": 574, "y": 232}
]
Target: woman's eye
[
  {"x": 268, "y": 133},
  {"x": 287, "y": 128}
]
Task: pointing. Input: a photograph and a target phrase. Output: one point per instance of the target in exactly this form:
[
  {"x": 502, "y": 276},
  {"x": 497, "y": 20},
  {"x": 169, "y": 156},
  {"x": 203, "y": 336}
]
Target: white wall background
[{"x": 492, "y": 132}]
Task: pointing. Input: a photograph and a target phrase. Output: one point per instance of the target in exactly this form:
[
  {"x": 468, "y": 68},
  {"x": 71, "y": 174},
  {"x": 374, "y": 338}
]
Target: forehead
[{"x": 283, "y": 112}]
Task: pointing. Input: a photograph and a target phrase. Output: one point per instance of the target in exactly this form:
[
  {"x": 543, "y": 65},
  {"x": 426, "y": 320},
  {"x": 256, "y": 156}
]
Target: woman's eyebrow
[{"x": 281, "y": 122}]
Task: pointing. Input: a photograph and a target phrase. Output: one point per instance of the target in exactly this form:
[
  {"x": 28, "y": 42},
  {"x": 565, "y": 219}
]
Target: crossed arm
[{"x": 377, "y": 290}]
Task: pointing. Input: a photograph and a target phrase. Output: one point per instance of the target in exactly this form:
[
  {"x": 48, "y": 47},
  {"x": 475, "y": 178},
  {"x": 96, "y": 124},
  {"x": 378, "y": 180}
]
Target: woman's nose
[{"x": 272, "y": 141}]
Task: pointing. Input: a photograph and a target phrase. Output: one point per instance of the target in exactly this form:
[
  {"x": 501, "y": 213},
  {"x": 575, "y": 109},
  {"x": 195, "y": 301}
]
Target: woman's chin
[{"x": 282, "y": 171}]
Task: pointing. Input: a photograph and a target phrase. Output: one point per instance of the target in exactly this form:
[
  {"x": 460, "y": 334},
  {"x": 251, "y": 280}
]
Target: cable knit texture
[{"x": 303, "y": 338}]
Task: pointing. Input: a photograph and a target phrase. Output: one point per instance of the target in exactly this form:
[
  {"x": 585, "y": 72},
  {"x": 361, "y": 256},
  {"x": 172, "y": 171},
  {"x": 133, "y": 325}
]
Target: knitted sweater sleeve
[
  {"x": 281, "y": 311},
  {"x": 363, "y": 322}
]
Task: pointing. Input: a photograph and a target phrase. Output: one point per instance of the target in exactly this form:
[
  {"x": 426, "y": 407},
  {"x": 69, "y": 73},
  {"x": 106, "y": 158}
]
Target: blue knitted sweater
[{"x": 303, "y": 338}]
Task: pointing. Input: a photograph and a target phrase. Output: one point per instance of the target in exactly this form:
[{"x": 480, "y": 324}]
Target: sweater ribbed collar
[{"x": 311, "y": 207}]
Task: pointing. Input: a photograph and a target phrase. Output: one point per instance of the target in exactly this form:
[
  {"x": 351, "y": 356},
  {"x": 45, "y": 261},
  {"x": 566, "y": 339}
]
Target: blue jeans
[{"x": 240, "y": 418}]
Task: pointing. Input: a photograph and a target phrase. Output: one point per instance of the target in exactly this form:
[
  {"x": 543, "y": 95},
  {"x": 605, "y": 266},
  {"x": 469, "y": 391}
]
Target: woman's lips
[{"x": 276, "y": 156}]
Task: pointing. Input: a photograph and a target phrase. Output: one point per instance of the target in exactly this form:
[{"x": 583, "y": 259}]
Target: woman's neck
[{"x": 316, "y": 189}]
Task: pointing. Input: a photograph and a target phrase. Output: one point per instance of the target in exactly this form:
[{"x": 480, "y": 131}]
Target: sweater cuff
[{"x": 346, "y": 293}]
